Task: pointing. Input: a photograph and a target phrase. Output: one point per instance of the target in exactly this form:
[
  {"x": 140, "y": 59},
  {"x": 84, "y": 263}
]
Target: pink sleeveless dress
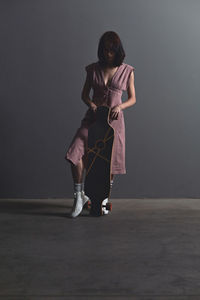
[{"x": 109, "y": 95}]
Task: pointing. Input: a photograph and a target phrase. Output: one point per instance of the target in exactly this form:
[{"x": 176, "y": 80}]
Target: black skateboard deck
[{"x": 98, "y": 166}]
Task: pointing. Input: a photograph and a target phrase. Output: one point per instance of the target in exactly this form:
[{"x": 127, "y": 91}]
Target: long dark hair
[{"x": 115, "y": 45}]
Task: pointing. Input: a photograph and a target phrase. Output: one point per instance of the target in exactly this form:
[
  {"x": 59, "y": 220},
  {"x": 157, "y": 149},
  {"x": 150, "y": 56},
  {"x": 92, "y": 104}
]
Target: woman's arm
[
  {"x": 131, "y": 93},
  {"x": 86, "y": 91},
  {"x": 131, "y": 98}
]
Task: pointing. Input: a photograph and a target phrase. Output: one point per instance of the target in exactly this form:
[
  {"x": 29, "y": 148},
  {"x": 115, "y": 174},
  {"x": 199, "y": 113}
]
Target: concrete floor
[{"x": 147, "y": 249}]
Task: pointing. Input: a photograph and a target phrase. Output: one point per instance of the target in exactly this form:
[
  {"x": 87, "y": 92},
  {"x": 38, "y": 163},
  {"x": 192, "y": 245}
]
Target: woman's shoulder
[
  {"x": 129, "y": 67},
  {"x": 90, "y": 66}
]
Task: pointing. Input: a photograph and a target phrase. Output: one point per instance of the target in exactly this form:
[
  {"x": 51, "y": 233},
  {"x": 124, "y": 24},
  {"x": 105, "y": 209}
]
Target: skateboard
[{"x": 98, "y": 162}]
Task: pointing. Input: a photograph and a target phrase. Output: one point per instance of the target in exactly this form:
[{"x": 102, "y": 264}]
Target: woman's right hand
[{"x": 93, "y": 107}]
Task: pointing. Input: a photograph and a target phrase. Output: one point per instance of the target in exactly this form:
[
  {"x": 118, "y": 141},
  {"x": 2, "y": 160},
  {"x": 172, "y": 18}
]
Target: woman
[{"x": 108, "y": 78}]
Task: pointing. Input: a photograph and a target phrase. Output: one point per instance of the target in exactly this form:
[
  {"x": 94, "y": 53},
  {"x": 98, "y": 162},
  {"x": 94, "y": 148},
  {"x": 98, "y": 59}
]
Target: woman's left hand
[{"x": 115, "y": 111}]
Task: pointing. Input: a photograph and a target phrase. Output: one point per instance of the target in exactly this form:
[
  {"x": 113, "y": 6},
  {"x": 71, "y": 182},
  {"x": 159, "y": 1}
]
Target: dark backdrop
[{"x": 45, "y": 46}]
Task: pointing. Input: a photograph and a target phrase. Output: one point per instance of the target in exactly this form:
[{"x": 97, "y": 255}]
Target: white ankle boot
[{"x": 79, "y": 201}]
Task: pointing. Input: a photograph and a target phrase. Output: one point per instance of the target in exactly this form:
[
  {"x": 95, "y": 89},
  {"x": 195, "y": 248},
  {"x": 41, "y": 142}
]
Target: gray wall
[{"x": 45, "y": 46}]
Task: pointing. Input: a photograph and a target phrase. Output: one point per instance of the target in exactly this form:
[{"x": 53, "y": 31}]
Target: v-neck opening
[{"x": 102, "y": 76}]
